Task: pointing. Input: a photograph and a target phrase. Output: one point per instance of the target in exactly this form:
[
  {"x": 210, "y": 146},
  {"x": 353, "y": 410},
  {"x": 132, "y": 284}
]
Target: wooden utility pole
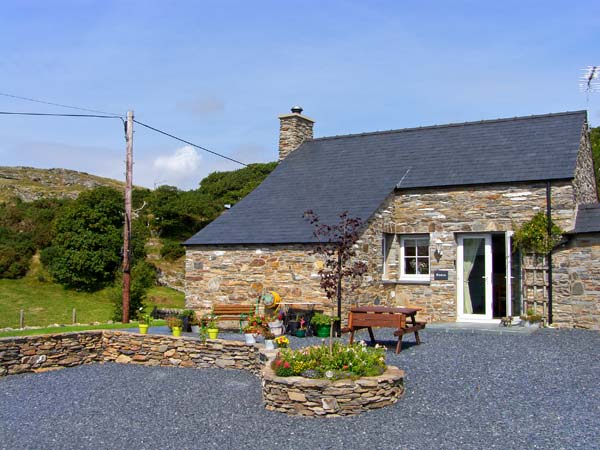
[{"x": 127, "y": 225}]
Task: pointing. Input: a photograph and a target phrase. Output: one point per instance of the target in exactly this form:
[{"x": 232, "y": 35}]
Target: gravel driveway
[{"x": 464, "y": 391}]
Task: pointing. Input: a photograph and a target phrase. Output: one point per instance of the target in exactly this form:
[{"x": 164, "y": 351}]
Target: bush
[
  {"x": 16, "y": 250},
  {"x": 351, "y": 361},
  {"x": 532, "y": 236},
  {"x": 172, "y": 250}
]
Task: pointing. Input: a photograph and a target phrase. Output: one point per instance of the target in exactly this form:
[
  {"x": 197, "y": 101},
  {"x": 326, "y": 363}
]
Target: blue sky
[{"x": 218, "y": 73}]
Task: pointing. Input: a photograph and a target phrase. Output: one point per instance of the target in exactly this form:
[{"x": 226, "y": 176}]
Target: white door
[{"x": 474, "y": 277}]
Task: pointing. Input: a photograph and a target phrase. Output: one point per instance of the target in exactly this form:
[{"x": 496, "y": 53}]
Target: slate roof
[
  {"x": 357, "y": 172},
  {"x": 588, "y": 219}
]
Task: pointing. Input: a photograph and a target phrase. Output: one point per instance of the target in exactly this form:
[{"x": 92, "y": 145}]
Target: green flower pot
[
  {"x": 323, "y": 330},
  {"x": 300, "y": 333},
  {"x": 143, "y": 328},
  {"x": 176, "y": 331},
  {"x": 212, "y": 333}
]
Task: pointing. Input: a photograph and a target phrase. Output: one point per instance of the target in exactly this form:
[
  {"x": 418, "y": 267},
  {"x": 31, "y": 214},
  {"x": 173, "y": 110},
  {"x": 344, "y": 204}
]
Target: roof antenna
[{"x": 589, "y": 82}]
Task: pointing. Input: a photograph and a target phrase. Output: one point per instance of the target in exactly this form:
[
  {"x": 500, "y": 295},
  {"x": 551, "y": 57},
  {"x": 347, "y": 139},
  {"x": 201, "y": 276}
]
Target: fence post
[
  {"x": 74, "y": 316},
  {"x": 22, "y": 318}
]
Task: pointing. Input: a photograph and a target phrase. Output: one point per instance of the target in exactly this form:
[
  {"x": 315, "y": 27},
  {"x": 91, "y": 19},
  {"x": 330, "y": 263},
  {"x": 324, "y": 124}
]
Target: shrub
[
  {"x": 320, "y": 319},
  {"x": 533, "y": 236},
  {"x": 172, "y": 250},
  {"x": 350, "y": 361},
  {"x": 16, "y": 250}
]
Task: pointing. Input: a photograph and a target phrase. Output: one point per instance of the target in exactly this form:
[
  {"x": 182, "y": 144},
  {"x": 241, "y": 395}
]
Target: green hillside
[{"x": 28, "y": 183}]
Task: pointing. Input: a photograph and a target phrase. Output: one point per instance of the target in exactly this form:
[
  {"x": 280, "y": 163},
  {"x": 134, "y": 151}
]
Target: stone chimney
[{"x": 294, "y": 129}]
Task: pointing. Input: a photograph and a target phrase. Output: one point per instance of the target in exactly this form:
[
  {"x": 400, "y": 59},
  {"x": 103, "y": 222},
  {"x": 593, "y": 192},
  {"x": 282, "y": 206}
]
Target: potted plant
[
  {"x": 210, "y": 321},
  {"x": 186, "y": 319},
  {"x": 174, "y": 323},
  {"x": 293, "y": 325},
  {"x": 194, "y": 324},
  {"x": 276, "y": 324},
  {"x": 145, "y": 321},
  {"x": 282, "y": 341},
  {"x": 301, "y": 331},
  {"x": 249, "y": 332},
  {"x": 531, "y": 319},
  {"x": 269, "y": 336},
  {"x": 322, "y": 324}
]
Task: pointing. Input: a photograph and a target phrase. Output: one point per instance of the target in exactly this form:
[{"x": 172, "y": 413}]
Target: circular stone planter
[{"x": 325, "y": 398}]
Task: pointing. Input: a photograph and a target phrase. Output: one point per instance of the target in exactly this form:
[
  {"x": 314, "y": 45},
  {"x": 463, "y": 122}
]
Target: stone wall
[
  {"x": 576, "y": 301},
  {"x": 48, "y": 352},
  {"x": 292, "y": 395},
  {"x": 159, "y": 350},
  {"x": 237, "y": 274},
  {"x": 442, "y": 213},
  {"x": 42, "y": 353},
  {"x": 584, "y": 183},
  {"x": 308, "y": 397},
  {"x": 232, "y": 274}
]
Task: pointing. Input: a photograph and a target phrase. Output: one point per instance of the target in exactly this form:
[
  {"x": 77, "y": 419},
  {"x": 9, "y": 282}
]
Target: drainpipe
[{"x": 549, "y": 224}]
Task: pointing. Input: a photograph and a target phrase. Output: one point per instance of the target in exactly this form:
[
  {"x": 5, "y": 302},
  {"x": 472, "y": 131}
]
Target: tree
[
  {"x": 16, "y": 250},
  {"x": 336, "y": 245},
  {"x": 86, "y": 250}
]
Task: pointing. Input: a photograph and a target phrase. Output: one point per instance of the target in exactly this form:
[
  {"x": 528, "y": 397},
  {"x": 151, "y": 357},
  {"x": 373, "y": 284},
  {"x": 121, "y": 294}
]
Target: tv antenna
[{"x": 590, "y": 80}]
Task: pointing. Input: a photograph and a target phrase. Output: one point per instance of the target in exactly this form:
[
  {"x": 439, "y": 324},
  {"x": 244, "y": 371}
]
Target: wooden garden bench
[{"x": 234, "y": 311}]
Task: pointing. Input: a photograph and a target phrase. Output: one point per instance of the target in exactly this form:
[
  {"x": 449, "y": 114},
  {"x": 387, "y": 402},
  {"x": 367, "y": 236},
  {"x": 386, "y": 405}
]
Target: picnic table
[{"x": 382, "y": 316}]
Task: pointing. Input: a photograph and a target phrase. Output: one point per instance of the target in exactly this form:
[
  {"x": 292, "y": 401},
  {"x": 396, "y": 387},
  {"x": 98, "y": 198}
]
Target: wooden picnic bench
[
  {"x": 381, "y": 316},
  {"x": 233, "y": 311}
]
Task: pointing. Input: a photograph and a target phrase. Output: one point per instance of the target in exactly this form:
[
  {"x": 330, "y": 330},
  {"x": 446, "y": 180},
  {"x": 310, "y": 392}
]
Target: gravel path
[{"x": 464, "y": 391}]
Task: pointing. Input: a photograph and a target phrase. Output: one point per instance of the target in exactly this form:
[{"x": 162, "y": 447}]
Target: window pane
[
  {"x": 423, "y": 248},
  {"x": 423, "y": 266},
  {"x": 410, "y": 250},
  {"x": 410, "y": 266}
]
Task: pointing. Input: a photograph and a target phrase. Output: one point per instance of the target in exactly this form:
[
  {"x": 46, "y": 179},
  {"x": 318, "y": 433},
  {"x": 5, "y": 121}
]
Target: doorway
[{"x": 486, "y": 291}]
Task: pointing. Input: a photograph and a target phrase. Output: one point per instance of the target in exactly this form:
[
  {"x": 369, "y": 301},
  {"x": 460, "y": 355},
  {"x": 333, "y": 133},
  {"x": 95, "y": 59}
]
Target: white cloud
[{"x": 181, "y": 164}]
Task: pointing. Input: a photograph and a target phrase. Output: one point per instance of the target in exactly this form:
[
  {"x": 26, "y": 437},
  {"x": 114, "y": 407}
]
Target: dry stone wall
[
  {"x": 292, "y": 395},
  {"x": 311, "y": 397},
  {"x": 50, "y": 352},
  {"x": 42, "y": 353}
]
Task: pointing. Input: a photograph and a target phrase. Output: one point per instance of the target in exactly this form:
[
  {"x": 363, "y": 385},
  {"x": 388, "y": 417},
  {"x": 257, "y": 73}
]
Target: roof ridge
[{"x": 450, "y": 125}]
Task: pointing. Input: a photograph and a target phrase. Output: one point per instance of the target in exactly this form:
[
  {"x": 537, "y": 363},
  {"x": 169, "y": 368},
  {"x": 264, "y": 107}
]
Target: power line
[
  {"x": 58, "y": 104},
  {"x": 13, "y": 113},
  {"x": 105, "y": 115},
  {"x": 189, "y": 143}
]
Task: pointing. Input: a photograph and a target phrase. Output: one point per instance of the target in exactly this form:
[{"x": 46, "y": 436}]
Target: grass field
[
  {"x": 68, "y": 328},
  {"x": 47, "y": 303}
]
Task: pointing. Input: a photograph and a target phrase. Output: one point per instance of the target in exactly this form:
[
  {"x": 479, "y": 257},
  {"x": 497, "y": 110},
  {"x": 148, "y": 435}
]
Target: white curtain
[{"x": 470, "y": 248}]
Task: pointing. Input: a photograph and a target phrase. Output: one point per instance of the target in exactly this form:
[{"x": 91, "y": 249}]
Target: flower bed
[
  {"x": 341, "y": 361},
  {"x": 324, "y": 398}
]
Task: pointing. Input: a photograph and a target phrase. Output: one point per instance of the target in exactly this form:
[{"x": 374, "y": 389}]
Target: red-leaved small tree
[{"x": 337, "y": 246}]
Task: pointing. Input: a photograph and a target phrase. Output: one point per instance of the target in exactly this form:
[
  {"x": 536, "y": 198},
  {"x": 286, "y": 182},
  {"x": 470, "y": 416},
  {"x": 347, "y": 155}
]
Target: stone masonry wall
[
  {"x": 308, "y": 397},
  {"x": 233, "y": 274},
  {"x": 585, "y": 182},
  {"x": 442, "y": 214},
  {"x": 42, "y": 353},
  {"x": 50, "y": 352},
  {"x": 576, "y": 302},
  {"x": 237, "y": 274}
]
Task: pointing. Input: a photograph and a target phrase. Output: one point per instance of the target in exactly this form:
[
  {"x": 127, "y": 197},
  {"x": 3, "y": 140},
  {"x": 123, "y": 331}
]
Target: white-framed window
[{"x": 406, "y": 257}]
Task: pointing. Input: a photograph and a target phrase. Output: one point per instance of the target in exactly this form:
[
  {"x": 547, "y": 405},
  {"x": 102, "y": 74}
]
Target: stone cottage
[{"x": 439, "y": 203}]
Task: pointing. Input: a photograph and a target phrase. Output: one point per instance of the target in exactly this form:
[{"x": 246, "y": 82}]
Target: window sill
[{"x": 422, "y": 282}]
